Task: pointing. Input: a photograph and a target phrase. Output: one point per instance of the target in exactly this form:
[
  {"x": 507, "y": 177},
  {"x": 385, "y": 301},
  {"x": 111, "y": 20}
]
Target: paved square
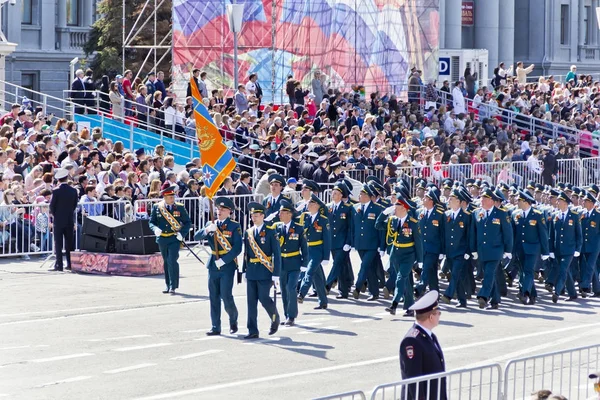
[{"x": 70, "y": 336}]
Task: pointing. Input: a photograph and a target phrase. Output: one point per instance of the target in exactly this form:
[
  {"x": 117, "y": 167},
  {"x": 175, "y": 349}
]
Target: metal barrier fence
[
  {"x": 470, "y": 383},
  {"x": 563, "y": 372},
  {"x": 355, "y": 395}
]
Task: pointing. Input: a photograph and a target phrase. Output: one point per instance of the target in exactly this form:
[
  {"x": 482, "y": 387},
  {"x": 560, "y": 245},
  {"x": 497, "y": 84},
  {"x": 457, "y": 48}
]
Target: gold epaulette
[{"x": 413, "y": 220}]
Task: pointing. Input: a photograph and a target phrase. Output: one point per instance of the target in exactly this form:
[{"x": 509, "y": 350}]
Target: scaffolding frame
[{"x": 130, "y": 42}]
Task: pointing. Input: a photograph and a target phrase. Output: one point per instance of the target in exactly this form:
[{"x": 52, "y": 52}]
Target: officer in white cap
[{"x": 420, "y": 351}]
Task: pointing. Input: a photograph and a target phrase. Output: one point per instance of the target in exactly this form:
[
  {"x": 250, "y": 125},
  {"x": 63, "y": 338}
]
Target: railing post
[
  {"x": 44, "y": 103},
  {"x": 131, "y": 137},
  {"x": 102, "y": 123}
]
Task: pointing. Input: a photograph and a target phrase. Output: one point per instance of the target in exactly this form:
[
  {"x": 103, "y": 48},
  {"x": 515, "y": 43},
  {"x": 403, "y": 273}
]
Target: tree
[{"x": 105, "y": 43}]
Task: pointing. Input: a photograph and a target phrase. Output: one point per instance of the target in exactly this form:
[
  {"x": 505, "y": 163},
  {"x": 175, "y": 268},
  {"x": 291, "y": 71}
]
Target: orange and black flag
[{"x": 217, "y": 160}]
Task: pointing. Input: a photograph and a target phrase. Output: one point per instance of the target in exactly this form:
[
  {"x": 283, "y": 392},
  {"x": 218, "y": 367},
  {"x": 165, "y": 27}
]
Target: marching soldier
[
  {"x": 565, "y": 244},
  {"x": 272, "y": 201},
  {"x": 340, "y": 215},
  {"x": 421, "y": 353},
  {"x": 458, "y": 231},
  {"x": 225, "y": 241},
  {"x": 431, "y": 222},
  {"x": 367, "y": 240},
  {"x": 308, "y": 188},
  {"x": 590, "y": 228},
  {"x": 531, "y": 240},
  {"x": 294, "y": 255},
  {"x": 318, "y": 238},
  {"x": 261, "y": 269},
  {"x": 170, "y": 221},
  {"x": 493, "y": 241},
  {"x": 403, "y": 236}
]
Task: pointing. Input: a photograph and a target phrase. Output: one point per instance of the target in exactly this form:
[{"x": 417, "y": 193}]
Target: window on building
[
  {"x": 564, "y": 24},
  {"x": 73, "y": 12},
  {"x": 29, "y": 80},
  {"x": 587, "y": 21},
  {"x": 27, "y": 12}
]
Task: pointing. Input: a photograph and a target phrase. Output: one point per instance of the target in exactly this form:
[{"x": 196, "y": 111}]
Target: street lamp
[{"x": 235, "y": 15}]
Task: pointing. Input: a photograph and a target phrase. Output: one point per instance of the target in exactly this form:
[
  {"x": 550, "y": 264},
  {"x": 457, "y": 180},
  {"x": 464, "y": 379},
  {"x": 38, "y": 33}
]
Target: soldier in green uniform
[
  {"x": 262, "y": 265},
  {"x": 294, "y": 255},
  {"x": 170, "y": 222},
  {"x": 225, "y": 240}
]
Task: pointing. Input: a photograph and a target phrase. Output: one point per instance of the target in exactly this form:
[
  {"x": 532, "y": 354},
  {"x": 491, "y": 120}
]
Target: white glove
[
  {"x": 467, "y": 256},
  {"x": 275, "y": 280},
  {"x": 219, "y": 263},
  {"x": 441, "y": 257},
  {"x": 179, "y": 237},
  {"x": 347, "y": 247},
  {"x": 390, "y": 210},
  {"x": 270, "y": 217},
  {"x": 507, "y": 255},
  {"x": 545, "y": 257},
  {"x": 552, "y": 256},
  {"x": 352, "y": 248},
  {"x": 576, "y": 254},
  {"x": 420, "y": 265},
  {"x": 381, "y": 253},
  {"x": 211, "y": 227},
  {"x": 157, "y": 231},
  {"x": 244, "y": 277},
  {"x": 475, "y": 255},
  {"x": 303, "y": 269}
]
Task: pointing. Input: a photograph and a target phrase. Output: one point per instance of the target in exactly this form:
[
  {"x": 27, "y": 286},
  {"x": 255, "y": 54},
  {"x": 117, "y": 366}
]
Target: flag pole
[{"x": 212, "y": 220}]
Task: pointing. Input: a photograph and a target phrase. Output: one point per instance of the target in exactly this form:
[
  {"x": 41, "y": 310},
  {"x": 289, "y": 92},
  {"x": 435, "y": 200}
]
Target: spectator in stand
[
  {"x": 150, "y": 83},
  {"x": 128, "y": 93},
  {"x": 572, "y": 75},
  {"x": 78, "y": 91},
  {"x": 241, "y": 99},
  {"x": 202, "y": 86},
  {"x": 195, "y": 75},
  {"x": 523, "y": 72},
  {"x": 141, "y": 106},
  {"x": 414, "y": 86},
  {"x": 290, "y": 89},
  {"x": 116, "y": 101},
  {"x": 470, "y": 82},
  {"x": 318, "y": 86},
  {"x": 159, "y": 84},
  {"x": 299, "y": 95},
  {"x": 458, "y": 100}
]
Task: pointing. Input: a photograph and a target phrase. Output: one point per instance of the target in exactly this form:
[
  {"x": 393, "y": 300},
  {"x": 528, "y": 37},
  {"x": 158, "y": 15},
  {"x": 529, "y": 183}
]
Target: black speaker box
[
  {"x": 139, "y": 245},
  {"x": 133, "y": 229},
  {"x": 97, "y": 244},
  {"x": 100, "y": 226}
]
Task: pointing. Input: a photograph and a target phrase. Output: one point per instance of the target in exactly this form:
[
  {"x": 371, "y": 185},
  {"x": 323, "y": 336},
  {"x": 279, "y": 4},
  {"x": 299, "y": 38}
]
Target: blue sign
[{"x": 444, "y": 65}]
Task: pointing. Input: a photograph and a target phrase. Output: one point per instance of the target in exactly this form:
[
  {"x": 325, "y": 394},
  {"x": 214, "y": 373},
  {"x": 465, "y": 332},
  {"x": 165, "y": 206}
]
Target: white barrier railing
[
  {"x": 482, "y": 383},
  {"x": 355, "y": 395},
  {"x": 563, "y": 372}
]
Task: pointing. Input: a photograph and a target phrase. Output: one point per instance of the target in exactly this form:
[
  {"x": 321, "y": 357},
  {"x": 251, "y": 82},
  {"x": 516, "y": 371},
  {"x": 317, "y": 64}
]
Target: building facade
[
  {"x": 552, "y": 34},
  {"x": 48, "y": 34}
]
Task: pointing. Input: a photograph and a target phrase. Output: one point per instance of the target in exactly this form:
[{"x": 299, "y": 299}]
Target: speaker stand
[{"x": 51, "y": 256}]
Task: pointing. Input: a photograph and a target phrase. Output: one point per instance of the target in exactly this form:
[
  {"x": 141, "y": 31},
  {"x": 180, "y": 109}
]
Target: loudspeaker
[
  {"x": 100, "y": 226},
  {"x": 139, "y": 245},
  {"x": 133, "y": 229},
  {"x": 97, "y": 244}
]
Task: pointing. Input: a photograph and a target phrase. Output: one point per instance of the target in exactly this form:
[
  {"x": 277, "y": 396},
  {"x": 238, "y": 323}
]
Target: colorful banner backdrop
[
  {"x": 370, "y": 43},
  {"x": 217, "y": 160}
]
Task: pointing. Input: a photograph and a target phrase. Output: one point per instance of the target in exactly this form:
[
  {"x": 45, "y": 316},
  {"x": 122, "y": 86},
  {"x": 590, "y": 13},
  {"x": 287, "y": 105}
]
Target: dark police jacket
[
  {"x": 269, "y": 244},
  {"x": 420, "y": 356},
  {"x": 340, "y": 222},
  {"x": 365, "y": 235},
  {"x": 63, "y": 204},
  {"x": 531, "y": 234},
  {"x": 231, "y": 231},
  {"x": 590, "y": 228},
  {"x": 432, "y": 230},
  {"x": 565, "y": 236},
  {"x": 493, "y": 235},
  {"x": 458, "y": 234},
  {"x": 294, "y": 251}
]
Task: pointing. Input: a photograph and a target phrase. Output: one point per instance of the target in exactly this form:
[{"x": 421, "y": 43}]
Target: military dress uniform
[
  {"x": 318, "y": 237},
  {"x": 493, "y": 238},
  {"x": 225, "y": 240},
  {"x": 272, "y": 204},
  {"x": 432, "y": 230},
  {"x": 262, "y": 266},
  {"x": 531, "y": 241},
  {"x": 367, "y": 240},
  {"x": 565, "y": 243},
  {"x": 421, "y": 354},
  {"x": 294, "y": 255},
  {"x": 340, "y": 220},
  {"x": 403, "y": 237},
  {"x": 170, "y": 223},
  {"x": 458, "y": 232},
  {"x": 590, "y": 228}
]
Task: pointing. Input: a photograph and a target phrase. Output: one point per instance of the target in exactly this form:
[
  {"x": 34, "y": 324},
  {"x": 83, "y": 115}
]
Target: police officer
[
  {"x": 531, "y": 240},
  {"x": 421, "y": 353},
  {"x": 294, "y": 255},
  {"x": 368, "y": 241},
  {"x": 170, "y": 221},
  {"x": 261, "y": 269},
  {"x": 403, "y": 237},
  {"x": 493, "y": 241},
  {"x": 590, "y": 229},
  {"x": 272, "y": 201},
  {"x": 565, "y": 244},
  {"x": 431, "y": 221},
  {"x": 318, "y": 238},
  {"x": 62, "y": 208},
  {"x": 225, "y": 241},
  {"x": 340, "y": 220},
  {"x": 458, "y": 231}
]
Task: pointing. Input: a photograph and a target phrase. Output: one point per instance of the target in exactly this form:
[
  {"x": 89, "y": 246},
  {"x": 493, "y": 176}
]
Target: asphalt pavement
[{"x": 72, "y": 336}]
